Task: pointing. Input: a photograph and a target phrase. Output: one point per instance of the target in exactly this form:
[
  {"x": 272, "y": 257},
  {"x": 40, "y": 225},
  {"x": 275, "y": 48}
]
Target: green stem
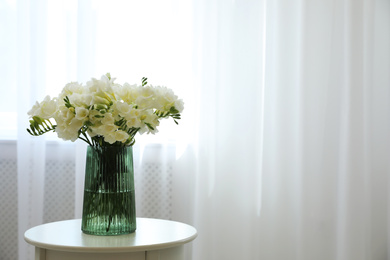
[{"x": 85, "y": 140}]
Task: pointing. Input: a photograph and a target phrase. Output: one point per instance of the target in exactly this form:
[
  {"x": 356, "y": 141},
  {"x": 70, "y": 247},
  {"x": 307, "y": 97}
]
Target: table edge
[{"x": 140, "y": 248}]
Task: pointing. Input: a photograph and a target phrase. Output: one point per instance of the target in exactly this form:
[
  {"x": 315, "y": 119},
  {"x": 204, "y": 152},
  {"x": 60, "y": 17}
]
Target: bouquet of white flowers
[{"x": 104, "y": 113}]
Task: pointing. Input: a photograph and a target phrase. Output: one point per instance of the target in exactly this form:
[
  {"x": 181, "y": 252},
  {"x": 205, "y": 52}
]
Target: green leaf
[
  {"x": 149, "y": 126},
  {"x": 40, "y": 126},
  {"x": 67, "y": 102},
  {"x": 88, "y": 123},
  {"x": 173, "y": 110},
  {"x": 144, "y": 81}
]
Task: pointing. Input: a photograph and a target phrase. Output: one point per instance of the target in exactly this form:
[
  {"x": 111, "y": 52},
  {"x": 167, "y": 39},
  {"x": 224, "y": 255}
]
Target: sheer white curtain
[
  {"x": 294, "y": 129},
  {"x": 282, "y": 150},
  {"x": 50, "y": 43}
]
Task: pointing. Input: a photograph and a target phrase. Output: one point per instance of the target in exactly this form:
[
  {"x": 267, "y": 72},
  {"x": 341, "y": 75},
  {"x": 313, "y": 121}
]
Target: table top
[{"x": 151, "y": 234}]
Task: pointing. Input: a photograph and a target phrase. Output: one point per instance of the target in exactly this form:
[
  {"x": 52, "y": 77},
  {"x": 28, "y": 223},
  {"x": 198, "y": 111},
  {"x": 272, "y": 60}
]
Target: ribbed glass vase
[{"x": 109, "y": 198}]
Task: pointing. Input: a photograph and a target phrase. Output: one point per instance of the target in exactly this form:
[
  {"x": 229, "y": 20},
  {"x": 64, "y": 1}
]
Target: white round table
[{"x": 154, "y": 239}]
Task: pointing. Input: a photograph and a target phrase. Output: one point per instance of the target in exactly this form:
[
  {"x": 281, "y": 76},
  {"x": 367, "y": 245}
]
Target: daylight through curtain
[{"x": 282, "y": 149}]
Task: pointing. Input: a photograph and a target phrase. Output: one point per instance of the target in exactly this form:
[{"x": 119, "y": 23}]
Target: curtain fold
[
  {"x": 30, "y": 52},
  {"x": 229, "y": 71},
  {"x": 319, "y": 97}
]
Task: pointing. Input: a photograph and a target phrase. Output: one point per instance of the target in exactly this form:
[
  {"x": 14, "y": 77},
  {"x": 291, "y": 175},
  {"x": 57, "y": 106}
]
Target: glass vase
[{"x": 109, "y": 197}]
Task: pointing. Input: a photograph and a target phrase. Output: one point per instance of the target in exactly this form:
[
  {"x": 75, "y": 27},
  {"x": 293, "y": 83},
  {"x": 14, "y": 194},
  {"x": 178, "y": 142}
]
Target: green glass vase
[{"x": 109, "y": 197}]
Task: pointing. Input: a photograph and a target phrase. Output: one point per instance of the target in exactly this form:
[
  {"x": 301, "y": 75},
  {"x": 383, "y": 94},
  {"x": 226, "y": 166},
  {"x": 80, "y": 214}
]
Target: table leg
[{"x": 40, "y": 253}]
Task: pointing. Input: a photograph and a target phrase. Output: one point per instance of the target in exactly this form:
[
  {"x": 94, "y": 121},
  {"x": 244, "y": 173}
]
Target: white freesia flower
[
  {"x": 166, "y": 99},
  {"x": 121, "y": 135},
  {"x": 148, "y": 122},
  {"x": 110, "y": 138},
  {"x": 65, "y": 114},
  {"x": 116, "y": 136},
  {"x": 105, "y": 130},
  {"x": 68, "y": 130},
  {"x": 179, "y": 105},
  {"x": 108, "y": 119},
  {"x": 46, "y": 109},
  {"x": 100, "y": 99},
  {"x": 104, "y": 113},
  {"x": 70, "y": 89},
  {"x": 102, "y": 85},
  {"x": 94, "y": 118},
  {"x": 127, "y": 93},
  {"x": 123, "y": 108},
  {"x": 80, "y": 100},
  {"x": 134, "y": 122},
  {"x": 81, "y": 113},
  {"x": 146, "y": 97},
  {"x": 133, "y": 119}
]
